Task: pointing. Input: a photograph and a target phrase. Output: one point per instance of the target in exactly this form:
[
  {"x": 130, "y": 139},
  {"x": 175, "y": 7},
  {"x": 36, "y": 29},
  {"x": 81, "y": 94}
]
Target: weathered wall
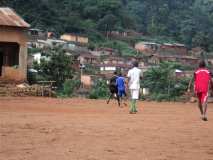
[
  {"x": 140, "y": 47},
  {"x": 86, "y": 80},
  {"x": 12, "y": 34},
  {"x": 17, "y": 35},
  {"x": 82, "y": 39},
  {"x": 11, "y": 73},
  {"x": 74, "y": 38},
  {"x": 69, "y": 38}
]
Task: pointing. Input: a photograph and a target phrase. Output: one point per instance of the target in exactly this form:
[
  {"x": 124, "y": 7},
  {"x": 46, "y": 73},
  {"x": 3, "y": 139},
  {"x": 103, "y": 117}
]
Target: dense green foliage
[
  {"x": 184, "y": 21},
  {"x": 122, "y": 47},
  {"x": 163, "y": 83},
  {"x": 99, "y": 90},
  {"x": 57, "y": 68},
  {"x": 90, "y": 69},
  {"x": 69, "y": 87}
]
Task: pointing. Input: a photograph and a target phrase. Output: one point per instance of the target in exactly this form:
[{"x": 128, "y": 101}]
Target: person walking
[
  {"x": 202, "y": 83},
  {"x": 113, "y": 88},
  {"x": 120, "y": 83},
  {"x": 134, "y": 75}
]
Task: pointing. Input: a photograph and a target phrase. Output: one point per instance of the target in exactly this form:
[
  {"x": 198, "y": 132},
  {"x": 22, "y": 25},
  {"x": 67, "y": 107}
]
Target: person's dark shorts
[{"x": 113, "y": 89}]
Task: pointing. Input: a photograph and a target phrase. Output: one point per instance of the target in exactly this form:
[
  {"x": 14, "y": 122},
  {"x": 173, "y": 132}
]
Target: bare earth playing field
[{"x": 80, "y": 129}]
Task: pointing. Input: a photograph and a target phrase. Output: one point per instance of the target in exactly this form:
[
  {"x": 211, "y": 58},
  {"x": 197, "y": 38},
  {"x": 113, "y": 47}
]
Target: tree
[
  {"x": 57, "y": 68},
  {"x": 100, "y": 90},
  {"x": 107, "y": 23},
  {"x": 184, "y": 21},
  {"x": 162, "y": 82}
]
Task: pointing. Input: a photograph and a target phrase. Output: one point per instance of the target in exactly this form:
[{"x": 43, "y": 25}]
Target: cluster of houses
[
  {"x": 168, "y": 52},
  {"x": 17, "y": 37},
  {"x": 105, "y": 60}
]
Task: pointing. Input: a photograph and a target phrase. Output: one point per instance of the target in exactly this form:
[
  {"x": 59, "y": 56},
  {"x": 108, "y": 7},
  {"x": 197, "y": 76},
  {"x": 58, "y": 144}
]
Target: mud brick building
[{"x": 13, "y": 45}]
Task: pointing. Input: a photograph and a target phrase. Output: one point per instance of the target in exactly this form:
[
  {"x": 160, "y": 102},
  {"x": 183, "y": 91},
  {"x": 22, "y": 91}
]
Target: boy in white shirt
[{"x": 134, "y": 75}]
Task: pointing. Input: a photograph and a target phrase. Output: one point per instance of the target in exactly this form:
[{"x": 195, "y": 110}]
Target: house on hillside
[
  {"x": 39, "y": 44},
  {"x": 123, "y": 61},
  {"x": 51, "y": 35},
  {"x": 87, "y": 58},
  {"x": 166, "y": 48},
  {"x": 76, "y": 38},
  {"x": 185, "y": 60},
  {"x": 37, "y": 34},
  {"x": 13, "y": 45},
  {"x": 110, "y": 68},
  {"x": 147, "y": 47},
  {"x": 122, "y": 34},
  {"x": 140, "y": 59},
  {"x": 56, "y": 43},
  {"x": 104, "y": 52},
  {"x": 197, "y": 51},
  {"x": 111, "y": 64},
  {"x": 173, "y": 49},
  {"x": 114, "y": 60}
]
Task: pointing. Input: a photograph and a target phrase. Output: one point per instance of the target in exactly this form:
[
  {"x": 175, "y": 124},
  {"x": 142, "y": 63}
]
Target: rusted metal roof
[{"x": 8, "y": 17}]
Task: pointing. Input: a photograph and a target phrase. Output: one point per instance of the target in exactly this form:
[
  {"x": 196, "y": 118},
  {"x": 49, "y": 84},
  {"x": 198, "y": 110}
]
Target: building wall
[
  {"x": 174, "y": 50},
  {"x": 34, "y": 35},
  {"x": 74, "y": 38},
  {"x": 11, "y": 73},
  {"x": 141, "y": 47},
  {"x": 146, "y": 48},
  {"x": 86, "y": 80},
  {"x": 68, "y": 38},
  {"x": 17, "y": 35},
  {"x": 82, "y": 39}
]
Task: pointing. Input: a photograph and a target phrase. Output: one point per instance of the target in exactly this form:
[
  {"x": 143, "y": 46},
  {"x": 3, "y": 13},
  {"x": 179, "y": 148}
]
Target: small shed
[{"x": 13, "y": 45}]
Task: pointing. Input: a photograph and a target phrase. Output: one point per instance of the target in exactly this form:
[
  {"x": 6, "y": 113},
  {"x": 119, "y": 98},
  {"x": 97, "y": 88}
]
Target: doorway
[
  {"x": 1, "y": 61},
  {"x": 9, "y": 54}
]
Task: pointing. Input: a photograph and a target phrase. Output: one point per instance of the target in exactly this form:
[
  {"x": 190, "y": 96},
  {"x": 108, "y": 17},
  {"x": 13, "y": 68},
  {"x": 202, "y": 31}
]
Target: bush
[
  {"x": 163, "y": 84},
  {"x": 99, "y": 90},
  {"x": 90, "y": 69},
  {"x": 33, "y": 77},
  {"x": 69, "y": 86},
  {"x": 91, "y": 46},
  {"x": 31, "y": 51},
  {"x": 160, "y": 97},
  {"x": 57, "y": 68},
  {"x": 123, "y": 48}
]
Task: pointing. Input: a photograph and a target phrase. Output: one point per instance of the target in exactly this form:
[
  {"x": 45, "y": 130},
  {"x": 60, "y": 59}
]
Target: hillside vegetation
[{"x": 189, "y": 22}]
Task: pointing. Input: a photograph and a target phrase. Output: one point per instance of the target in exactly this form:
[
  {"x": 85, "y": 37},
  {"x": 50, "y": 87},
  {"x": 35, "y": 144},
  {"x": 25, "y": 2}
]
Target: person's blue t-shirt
[{"x": 120, "y": 82}]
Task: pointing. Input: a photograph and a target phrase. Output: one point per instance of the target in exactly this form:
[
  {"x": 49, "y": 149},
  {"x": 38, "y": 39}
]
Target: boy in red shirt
[{"x": 202, "y": 82}]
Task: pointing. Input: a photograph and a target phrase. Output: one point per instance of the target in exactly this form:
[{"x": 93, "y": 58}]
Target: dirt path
[{"x": 79, "y": 129}]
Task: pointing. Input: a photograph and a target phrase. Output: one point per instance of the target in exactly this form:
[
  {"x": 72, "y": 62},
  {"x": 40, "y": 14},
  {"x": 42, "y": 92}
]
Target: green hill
[{"x": 188, "y": 22}]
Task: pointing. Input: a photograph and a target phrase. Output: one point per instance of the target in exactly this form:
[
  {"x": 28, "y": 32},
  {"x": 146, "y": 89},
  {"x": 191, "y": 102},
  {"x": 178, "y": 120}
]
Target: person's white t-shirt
[{"x": 134, "y": 78}]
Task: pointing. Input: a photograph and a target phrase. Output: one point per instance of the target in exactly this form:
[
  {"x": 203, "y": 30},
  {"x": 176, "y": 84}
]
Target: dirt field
[{"x": 80, "y": 129}]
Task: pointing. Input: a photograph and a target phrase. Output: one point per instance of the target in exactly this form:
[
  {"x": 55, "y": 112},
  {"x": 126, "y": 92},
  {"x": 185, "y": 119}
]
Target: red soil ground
[{"x": 80, "y": 129}]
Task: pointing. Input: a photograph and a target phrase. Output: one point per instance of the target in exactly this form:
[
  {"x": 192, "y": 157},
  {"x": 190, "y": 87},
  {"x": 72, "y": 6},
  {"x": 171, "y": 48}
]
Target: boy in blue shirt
[
  {"x": 113, "y": 88},
  {"x": 120, "y": 82}
]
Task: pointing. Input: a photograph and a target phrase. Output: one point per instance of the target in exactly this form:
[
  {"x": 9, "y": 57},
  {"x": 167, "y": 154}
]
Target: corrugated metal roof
[{"x": 8, "y": 17}]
